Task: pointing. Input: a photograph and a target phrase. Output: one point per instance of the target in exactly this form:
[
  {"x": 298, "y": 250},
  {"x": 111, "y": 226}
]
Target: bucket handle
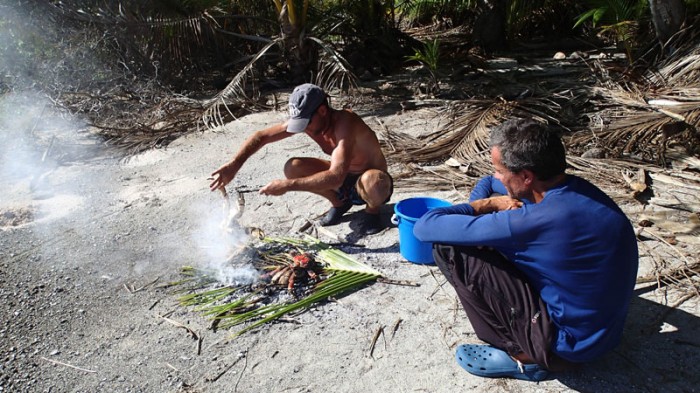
[{"x": 395, "y": 219}]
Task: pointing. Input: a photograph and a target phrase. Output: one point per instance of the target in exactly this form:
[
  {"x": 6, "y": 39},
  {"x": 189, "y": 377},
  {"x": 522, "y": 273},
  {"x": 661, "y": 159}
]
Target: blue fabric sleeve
[
  {"x": 485, "y": 187},
  {"x": 458, "y": 225}
]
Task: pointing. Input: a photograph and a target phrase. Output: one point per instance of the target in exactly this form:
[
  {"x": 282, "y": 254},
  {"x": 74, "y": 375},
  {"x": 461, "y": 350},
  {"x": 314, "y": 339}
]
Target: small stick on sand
[
  {"x": 180, "y": 325},
  {"x": 379, "y": 331},
  {"x": 406, "y": 283},
  {"x": 245, "y": 365},
  {"x": 144, "y": 286},
  {"x": 154, "y": 303},
  {"x": 214, "y": 379},
  {"x": 308, "y": 224},
  {"x": 199, "y": 345},
  {"x": 454, "y": 310},
  {"x": 328, "y": 233},
  {"x": 68, "y": 365},
  {"x": 395, "y": 327}
]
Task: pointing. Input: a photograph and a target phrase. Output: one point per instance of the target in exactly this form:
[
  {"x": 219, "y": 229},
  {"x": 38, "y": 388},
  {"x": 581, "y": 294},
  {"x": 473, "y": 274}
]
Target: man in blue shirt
[{"x": 547, "y": 284}]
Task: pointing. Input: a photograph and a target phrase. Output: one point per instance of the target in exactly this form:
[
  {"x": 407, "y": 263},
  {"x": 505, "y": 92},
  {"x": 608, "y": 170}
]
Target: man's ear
[
  {"x": 322, "y": 109},
  {"x": 528, "y": 176}
]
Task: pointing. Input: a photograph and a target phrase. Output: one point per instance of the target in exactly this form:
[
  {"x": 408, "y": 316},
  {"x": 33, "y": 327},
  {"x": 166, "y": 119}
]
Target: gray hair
[{"x": 528, "y": 144}]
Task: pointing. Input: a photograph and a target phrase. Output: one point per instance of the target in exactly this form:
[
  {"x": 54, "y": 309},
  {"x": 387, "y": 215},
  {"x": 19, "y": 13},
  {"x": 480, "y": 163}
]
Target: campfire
[{"x": 295, "y": 274}]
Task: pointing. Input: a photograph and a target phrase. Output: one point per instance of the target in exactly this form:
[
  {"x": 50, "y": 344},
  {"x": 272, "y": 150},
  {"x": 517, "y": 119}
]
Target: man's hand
[
  {"x": 223, "y": 176},
  {"x": 495, "y": 204},
  {"x": 275, "y": 187}
]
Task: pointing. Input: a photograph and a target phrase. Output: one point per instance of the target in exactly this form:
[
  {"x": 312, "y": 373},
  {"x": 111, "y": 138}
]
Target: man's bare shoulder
[
  {"x": 348, "y": 120},
  {"x": 348, "y": 114}
]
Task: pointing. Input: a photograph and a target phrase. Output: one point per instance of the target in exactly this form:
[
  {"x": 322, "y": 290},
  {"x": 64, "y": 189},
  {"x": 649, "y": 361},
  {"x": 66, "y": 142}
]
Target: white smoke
[
  {"x": 35, "y": 138},
  {"x": 38, "y": 140},
  {"x": 224, "y": 241},
  {"x": 24, "y": 134}
]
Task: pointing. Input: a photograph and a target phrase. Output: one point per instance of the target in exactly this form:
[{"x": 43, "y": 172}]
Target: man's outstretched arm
[{"x": 225, "y": 173}]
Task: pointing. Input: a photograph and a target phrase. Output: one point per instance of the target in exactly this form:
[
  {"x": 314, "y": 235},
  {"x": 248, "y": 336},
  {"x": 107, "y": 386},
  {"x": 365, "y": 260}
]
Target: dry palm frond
[
  {"x": 439, "y": 178},
  {"x": 236, "y": 90},
  {"x": 465, "y": 138},
  {"x": 396, "y": 143},
  {"x": 680, "y": 68},
  {"x": 334, "y": 72},
  {"x": 641, "y": 123},
  {"x": 682, "y": 71}
]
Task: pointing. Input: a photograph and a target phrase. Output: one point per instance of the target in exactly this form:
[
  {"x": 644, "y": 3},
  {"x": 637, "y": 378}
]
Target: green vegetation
[
  {"x": 429, "y": 56},
  {"x": 619, "y": 18}
]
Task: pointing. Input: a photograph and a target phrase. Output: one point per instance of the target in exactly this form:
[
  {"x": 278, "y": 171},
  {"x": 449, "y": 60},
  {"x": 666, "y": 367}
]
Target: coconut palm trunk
[
  {"x": 297, "y": 51},
  {"x": 667, "y": 16}
]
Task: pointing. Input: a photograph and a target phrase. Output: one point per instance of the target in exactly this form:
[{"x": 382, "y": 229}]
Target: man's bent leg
[
  {"x": 345, "y": 195},
  {"x": 298, "y": 167},
  {"x": 503, "y": 308},
  {"x": 375, "y": 188}
]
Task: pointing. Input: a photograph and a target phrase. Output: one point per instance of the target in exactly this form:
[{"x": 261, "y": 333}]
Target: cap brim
[{"x": 297, "y": 125}]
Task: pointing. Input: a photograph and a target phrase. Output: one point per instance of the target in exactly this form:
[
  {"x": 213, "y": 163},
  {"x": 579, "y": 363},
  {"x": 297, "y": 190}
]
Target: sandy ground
[{"x": 84, "y": 248}]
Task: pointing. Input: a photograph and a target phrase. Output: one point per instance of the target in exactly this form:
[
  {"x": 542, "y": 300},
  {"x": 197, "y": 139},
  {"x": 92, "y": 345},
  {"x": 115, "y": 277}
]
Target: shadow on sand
[{"x": 659, "y": 353}]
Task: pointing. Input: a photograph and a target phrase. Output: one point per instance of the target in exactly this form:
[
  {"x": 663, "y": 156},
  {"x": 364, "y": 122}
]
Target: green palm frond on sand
[{"x": 343, "y": 272}]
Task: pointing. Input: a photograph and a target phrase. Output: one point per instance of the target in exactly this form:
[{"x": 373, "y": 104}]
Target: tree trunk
[
  {"x": 297, "y": 52},
  {"x": 667, "y": 16}
]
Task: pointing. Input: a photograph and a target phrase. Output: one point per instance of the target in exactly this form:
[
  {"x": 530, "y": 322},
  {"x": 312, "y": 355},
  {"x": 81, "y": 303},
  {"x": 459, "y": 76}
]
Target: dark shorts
[{"x": 348, "y": 191}]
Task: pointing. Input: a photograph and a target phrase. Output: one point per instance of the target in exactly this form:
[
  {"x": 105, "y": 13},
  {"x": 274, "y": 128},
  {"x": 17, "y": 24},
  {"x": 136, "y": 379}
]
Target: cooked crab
[{"x": 301, "y": 265}]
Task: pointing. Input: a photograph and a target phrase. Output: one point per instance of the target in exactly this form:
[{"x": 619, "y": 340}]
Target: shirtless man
[{"x": 356, "y": 173}]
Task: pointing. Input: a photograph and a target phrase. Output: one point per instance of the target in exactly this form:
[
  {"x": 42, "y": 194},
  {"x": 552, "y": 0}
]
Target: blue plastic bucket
[{"x": 408, "y": 211}]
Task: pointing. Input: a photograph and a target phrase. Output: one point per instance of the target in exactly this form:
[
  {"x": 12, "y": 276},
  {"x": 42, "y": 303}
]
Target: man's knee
[
  {"x": 297, "y": 167},
  {"x": 375, "y": 187},
  {"x": 292, "y": 168}
]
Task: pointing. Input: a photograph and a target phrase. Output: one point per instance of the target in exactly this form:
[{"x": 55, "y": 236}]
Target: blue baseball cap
[{"x": 303, "y": 102}]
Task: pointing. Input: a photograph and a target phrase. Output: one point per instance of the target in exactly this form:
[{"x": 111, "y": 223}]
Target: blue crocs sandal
[{"x": 487, "y": 361}]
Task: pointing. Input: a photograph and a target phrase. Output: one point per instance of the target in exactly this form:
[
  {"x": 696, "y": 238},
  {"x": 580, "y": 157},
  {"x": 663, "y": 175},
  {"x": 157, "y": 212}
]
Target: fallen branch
[
  {"x": 662, "y": 240},
  {"x": 668, "y": 310}
]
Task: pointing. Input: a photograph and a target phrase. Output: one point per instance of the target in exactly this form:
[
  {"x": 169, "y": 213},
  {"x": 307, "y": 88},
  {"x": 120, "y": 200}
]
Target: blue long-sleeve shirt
[
  {"x": 486, "y": 187},
  {"x": 575, "y": 246}
]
